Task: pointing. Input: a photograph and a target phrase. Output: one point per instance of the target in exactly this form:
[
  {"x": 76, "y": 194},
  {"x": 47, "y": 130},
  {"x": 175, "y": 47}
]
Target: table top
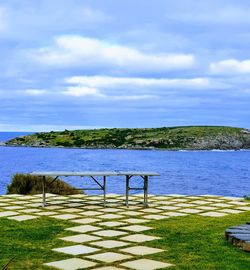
[
  {"x": 138, "y": 173},
  {"x": 73, "y": 173},
  {"x": 90, "y": 173}
]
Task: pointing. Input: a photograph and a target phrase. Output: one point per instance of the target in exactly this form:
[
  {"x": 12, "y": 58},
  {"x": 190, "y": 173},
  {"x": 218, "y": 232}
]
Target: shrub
[{"x": 29, "y": 185}]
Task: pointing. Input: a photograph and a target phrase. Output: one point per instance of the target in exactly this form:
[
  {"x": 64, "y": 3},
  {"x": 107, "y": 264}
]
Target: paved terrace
[{"x": 114, "y": 234}]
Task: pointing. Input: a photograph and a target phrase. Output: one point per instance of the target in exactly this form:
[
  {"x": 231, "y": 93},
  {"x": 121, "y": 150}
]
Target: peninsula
[{"x": 169, "y": 138}]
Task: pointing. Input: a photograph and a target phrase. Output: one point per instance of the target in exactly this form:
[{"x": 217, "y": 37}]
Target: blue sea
[{"x": 183, "y": 172}]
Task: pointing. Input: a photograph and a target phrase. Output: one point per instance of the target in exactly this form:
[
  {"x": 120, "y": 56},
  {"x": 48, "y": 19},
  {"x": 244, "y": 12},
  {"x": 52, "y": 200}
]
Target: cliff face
[{"x": 171, "y": 138}]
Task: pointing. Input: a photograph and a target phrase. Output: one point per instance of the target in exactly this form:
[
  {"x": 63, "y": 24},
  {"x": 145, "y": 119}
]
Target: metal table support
[
  {"x": 144, "y": 188},
  {"x": 44, "y": 191}
]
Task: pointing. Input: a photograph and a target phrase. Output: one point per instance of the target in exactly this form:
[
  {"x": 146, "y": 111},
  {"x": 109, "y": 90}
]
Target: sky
[{"x": 76, "y": 64}]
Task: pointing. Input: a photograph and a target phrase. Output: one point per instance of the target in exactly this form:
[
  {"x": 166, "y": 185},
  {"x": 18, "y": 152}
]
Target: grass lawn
[
  {"x": 30, "y": 242},
  {"x": 191, "y": 242}
]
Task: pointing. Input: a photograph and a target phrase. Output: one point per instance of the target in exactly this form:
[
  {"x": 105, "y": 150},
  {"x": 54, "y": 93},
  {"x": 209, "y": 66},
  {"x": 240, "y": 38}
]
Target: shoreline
[{"x": 130, "y": 148}]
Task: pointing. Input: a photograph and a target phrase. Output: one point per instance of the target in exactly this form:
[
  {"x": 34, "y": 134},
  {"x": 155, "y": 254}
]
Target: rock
[{"x": 239, "y": 236}]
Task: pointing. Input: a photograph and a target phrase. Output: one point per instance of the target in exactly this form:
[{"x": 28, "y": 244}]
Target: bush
[
  {"x": 247, "y": 197},
  {"x": 30, "y": 185}
]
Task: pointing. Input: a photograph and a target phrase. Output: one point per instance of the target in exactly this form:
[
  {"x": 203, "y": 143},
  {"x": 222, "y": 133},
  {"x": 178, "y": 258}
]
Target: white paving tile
[
  {"x": 110, "y": 216},
  {"x": 141, "y": 250},
  {"x": 213, "y": 214},
  {"x": 23, "y": 217},
  {"x": 112, "y": 223},
  {"x": 83, "y": 228},
  {"x": 31, "y": 210},
  {"x": 168, "y": 207},
  {"x": 92, "y": 207},
  {"x": 85, "y": 220},
  {"x": 34, "y": 205},
  {"x": 186, "y": 205},
  {"x": 110, "y": 244},
  {"x": 80, "y": 238},
  {"x": 151, "y": 210},
  {"x": 131, "y": 213},
  {"x": 71, "y": 264},
  {"x": 167, "y": 203},
  {"x": 57, "y": 202},
  {"x": 139, "y": 238},
  {"x": 3, "y": 204},
  {"x": 109, "y": 233},
  {"x": 136, "y": 228},
  {"x": 135, "y": 220},
  {"x": 200, "y": 202},
  {"x": 207, "y": 208},
  {"x": 175, "y": 214},
  {"x": 65, "y": 216},
  {"x": 222, "y": 205},
  {"x": 73, "y": 204},
  {"x": 20, "y": 202},
  {"x": 76, "y": 250},
  {"x": 109, "y": 257},
  {"x": 190, "y": 211},
  {"x": 238, "y": 203},
  {"x": 70, "y": 210},
  {"x": 77, "y": 196},
  {"x": 179, "y": 200},
  {"x": 90, "y": 213},
  {"x": 13, "y": 207},
  {"x": 8, "y": 213},
  {"x": 157, "y": 217},
  {"x": 245, "y": 208},
  {"x": 230, "y": 211},
  {"x": 53, "y": 207},
  {"x": 46, "y": 213},
  {"x": 110, "y": 210},
  {"x": 145, "y": 264}
]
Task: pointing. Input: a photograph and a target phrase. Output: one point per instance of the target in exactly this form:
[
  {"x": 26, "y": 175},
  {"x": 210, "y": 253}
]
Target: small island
[{"x": 168, "y": 138}]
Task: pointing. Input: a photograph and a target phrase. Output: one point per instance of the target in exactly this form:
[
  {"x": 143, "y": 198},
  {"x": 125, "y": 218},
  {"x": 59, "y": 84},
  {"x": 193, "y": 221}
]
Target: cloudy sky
[{"x": 123, "y": 63}]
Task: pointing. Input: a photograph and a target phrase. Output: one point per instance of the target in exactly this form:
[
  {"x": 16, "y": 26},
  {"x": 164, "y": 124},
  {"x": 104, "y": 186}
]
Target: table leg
[
  {"x": 146, "y": 191},
  {"x": 127, "y": 189},
  {"x": 104, "y": 191},
  {"x": 44, "y": 191}
]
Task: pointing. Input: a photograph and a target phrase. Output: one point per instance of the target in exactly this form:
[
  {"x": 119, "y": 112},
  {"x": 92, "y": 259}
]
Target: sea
[{"x": 224, "y": 173}]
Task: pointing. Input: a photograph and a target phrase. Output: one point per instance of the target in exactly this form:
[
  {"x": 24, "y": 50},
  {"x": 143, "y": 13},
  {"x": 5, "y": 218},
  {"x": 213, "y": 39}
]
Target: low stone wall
[{"x": 239, "y": 236}]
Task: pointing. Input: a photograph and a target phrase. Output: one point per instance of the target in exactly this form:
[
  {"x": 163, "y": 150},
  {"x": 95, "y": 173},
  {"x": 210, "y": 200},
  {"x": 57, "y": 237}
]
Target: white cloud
[
  {"x": 230, "y": 66},
  {"x": 114, "y": 82},
  {"x": 126, "y": 88},
  {"x": 79, "y": 91},
  {"x": 73, "y": 50},
  {"x": 35, "y": 92},
  {"x": 134, "y": 97}
]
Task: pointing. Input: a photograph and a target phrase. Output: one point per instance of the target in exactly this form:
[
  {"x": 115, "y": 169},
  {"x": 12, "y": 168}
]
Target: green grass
[
  {"x": 196, "y": 242},
  {"x": 191, "y": 242},
  {"x": 30, "y": 242}
]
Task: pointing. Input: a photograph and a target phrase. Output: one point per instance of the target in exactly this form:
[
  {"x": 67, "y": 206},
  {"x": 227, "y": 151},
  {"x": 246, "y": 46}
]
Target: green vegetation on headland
[{"x": 170, "y": 138}]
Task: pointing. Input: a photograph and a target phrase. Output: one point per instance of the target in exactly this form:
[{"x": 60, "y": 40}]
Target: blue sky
[{"x": 88, "y": 64}]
